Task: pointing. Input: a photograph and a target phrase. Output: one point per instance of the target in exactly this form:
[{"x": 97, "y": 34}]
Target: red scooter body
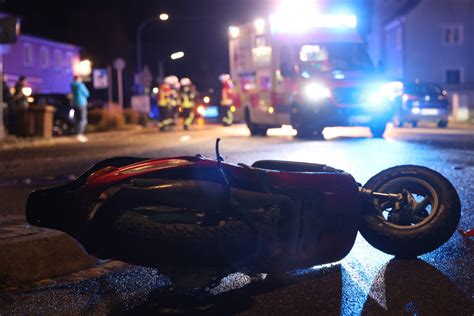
[
  {"x": 192, "y": 216},
  {"x": 328, "y": 200}
]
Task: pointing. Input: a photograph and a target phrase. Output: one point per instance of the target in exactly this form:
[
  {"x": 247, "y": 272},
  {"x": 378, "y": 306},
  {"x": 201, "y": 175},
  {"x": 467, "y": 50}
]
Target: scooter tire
[
  {"x": 138, "y": 239},
  {"x": 412, "y": 241}
]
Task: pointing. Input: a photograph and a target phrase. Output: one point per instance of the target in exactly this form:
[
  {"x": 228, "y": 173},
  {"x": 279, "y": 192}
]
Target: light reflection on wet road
[{"x": 365, "y": 282}]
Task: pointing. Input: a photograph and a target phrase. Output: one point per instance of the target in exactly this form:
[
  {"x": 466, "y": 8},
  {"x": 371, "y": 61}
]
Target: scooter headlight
[{"x": 317, "y": 92}]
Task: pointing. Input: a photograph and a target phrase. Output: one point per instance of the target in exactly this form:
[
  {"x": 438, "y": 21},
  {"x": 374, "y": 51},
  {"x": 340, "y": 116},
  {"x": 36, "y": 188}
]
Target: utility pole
[
  {"x": 161, "y": 70},
  {"x": 9, "y": 32},
  {"x": 110, "y": 87},
  {"x": 119, "y": 65}
]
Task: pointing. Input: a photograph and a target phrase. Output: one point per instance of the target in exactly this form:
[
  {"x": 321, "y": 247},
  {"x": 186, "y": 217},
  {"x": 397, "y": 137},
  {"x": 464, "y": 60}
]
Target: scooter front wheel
[{"x": 422, "y": 223}]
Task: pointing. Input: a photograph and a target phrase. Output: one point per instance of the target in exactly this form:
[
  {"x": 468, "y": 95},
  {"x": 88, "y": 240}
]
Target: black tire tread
[
  {"x": 255, "y": 129},
  {"x": 442, "y": 124},
  {"x": 145, "y": 241}
]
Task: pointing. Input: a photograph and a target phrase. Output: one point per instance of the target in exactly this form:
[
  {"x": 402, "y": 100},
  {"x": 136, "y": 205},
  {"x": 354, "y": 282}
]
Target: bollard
[
  {"x": 459, "y": 103},
  {"x": 42, "y": 120}
]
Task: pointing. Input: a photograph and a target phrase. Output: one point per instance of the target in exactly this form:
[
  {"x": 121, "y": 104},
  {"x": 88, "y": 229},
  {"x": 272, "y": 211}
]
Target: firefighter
[
  {"x": 227, "y": 99},
  {"x": 174, "y": 100},
  {"x": 188, "y": 101},
  {"x": 164, "y": 106}
]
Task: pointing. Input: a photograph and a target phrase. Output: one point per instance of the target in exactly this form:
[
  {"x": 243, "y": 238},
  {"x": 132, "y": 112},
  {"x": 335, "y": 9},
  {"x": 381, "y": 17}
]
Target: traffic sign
[
  {"x": 119, "y": 64},
  {"x": 141, "y": 103},
  {"x": 100, "y": 78}
]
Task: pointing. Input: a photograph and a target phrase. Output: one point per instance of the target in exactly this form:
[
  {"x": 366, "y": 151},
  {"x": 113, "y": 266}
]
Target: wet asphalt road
[{"x": 365, "y": 282}]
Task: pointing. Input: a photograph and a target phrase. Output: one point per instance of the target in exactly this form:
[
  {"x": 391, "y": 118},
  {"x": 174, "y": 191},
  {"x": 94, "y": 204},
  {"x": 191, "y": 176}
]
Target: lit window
[
  {"x": 453, "y": 34},
  {"x": 310, "y": 53},
  {"x": 57, "y": 59},
  {"x": 453, "y": 76},
  {"x": 260, "y": 41},
  {"x": 68, "y": 62},
  {"x": 27, "y": 54},
  {"x": 399, "y": 36},
  {"x": 44, "y": 57}
]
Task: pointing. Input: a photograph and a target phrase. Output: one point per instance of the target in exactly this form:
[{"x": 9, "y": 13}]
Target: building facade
[
  {"x": 430, "y": 40},
  {"x": 48, "y": 65}
]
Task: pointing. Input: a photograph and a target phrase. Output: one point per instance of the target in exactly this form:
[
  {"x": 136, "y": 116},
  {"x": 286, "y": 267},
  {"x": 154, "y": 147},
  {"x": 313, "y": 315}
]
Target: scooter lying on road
[{"x": 213, "y": 218}]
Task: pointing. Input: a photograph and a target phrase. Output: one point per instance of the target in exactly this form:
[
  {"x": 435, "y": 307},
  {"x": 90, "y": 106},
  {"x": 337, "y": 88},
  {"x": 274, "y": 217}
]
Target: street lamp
[
  {"x": 177, "y": 55},
  {"x": 161, "y": 63},
  {"x": 162, "y": 17}
]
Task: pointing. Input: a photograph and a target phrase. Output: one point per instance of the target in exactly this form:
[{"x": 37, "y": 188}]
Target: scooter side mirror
[{"x": 219, "y": 158}]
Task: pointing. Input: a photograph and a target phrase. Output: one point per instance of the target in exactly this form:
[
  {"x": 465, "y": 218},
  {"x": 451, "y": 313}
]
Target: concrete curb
[
  {"x": 110, "y": 288},
  {"x": 21, "y": 143},
  {"x": 102, "y": 268},
  {"x": 30, "y": 253},
  {"x": 15, "y": 143}
]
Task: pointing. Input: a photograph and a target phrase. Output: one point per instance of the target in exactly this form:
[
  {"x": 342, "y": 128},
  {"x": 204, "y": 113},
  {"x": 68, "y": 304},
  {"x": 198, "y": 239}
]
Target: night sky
[{"x": 106, "y": 30}]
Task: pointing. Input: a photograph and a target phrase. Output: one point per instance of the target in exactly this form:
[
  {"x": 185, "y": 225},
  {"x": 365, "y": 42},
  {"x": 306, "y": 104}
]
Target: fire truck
[{"x": 309, "y": 71}]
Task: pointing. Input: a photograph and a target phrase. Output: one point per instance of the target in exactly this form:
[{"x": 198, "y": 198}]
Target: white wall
[{"x": 427, "y": 56}]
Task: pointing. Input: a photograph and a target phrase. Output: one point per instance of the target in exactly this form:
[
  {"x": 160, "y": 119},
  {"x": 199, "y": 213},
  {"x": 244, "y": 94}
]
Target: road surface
[{"x": 366, "y": 281}]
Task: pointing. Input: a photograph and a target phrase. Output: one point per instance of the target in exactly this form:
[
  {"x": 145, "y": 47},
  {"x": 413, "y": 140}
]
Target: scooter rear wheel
[
  {"x": 411, "y": 230},
  {"x": 137, "y": 238}
]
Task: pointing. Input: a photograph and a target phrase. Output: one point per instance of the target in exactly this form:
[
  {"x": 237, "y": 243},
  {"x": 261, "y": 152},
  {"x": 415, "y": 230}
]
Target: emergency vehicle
[{"x": 310, "y": 71}]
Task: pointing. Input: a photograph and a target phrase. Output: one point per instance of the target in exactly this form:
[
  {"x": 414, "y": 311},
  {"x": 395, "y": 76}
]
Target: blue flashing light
[
  {"x": 383, "y": 94},
  {"x": 291, "y": 23},
  {"x": 211, "y": 112},
  {"x": 376, "y": 98}
]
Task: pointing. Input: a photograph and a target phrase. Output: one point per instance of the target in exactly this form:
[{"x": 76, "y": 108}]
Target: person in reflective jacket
[
  {"x": 164, "y": 106},
  {"x": 188, "y": 101},
  {"x": 227, "y": 101},
  {"x": 174, "y": 100}
]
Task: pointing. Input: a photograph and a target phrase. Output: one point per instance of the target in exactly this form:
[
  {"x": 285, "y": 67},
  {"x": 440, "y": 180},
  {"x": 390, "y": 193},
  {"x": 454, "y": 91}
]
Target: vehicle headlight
[
  {"x": 201, "y": 110},
  {"x": 392, "y": 89},
  {"x": 316, "y": 91},
  {"x": 376, "y": 98}
]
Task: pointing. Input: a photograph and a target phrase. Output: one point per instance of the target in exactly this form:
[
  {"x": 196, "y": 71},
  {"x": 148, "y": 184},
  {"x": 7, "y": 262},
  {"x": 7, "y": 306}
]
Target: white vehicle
[{"x": 310, "y": 71}]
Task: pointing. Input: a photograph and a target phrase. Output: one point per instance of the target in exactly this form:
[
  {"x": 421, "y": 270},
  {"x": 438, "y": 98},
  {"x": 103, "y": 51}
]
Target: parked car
[
  {"x": 422, "y": 101},
  {"x": 64, "y": 122},
  {"x": 207, "y": 107}
]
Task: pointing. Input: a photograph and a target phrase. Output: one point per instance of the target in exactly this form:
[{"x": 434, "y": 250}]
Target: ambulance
[{"x": 310, "y": 71}]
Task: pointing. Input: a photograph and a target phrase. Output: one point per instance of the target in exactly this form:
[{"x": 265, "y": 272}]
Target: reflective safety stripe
[
  {"x": 189, "y": 120},
  {"x": 163, "y": 100},
  {"x": 229, "y": 118},
  {"x": 165, "y": 122},
  {"x": 187, "y": 100}
]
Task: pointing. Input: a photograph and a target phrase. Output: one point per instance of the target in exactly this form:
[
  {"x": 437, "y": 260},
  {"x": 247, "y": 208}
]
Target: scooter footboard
[{"x": 328, "y": 210}]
